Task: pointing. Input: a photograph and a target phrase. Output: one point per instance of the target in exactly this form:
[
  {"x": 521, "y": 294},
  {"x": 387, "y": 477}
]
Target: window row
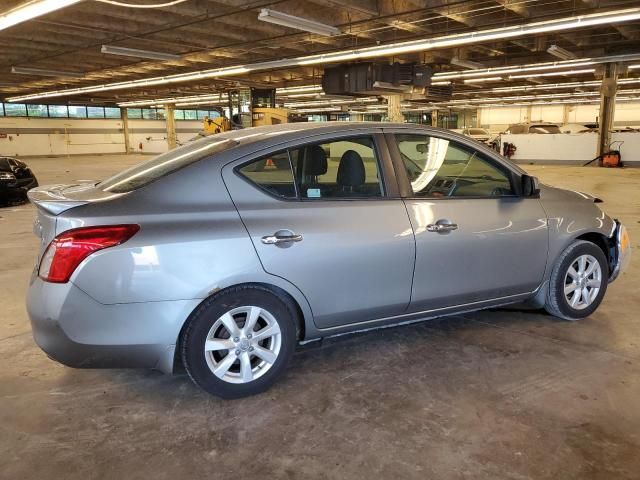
[
  {"x": 350, "y": 168},
  {"x": 81, "y": 111},
  {"x": 159, "y": 114},
  {"x": 57, "y": 111}
]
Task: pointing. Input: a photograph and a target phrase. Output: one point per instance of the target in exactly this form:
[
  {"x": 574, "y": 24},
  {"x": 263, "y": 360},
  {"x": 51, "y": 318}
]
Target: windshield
[
  {"x": 544, "y": 129},
  {"x": 147, "y": 172}
]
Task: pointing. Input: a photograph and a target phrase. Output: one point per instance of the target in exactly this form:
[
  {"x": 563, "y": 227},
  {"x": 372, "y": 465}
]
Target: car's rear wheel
[
  {"x": 578, "y": 281},
  {"x": 239, "y": 341}
]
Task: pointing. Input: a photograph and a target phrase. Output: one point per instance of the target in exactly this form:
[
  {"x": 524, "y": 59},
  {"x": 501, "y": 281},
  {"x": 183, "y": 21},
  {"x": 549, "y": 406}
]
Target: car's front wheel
[
  {"x": 578, "y": 281},
  {"x": 239, "y": 341}
]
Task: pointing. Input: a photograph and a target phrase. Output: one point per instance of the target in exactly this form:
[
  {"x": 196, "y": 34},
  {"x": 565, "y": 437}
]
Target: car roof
[{"x": 274, "y": 134}]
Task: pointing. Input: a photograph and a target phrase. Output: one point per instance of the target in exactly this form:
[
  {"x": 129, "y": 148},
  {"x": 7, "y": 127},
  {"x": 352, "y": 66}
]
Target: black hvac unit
[{"x": 375, "y": 78}]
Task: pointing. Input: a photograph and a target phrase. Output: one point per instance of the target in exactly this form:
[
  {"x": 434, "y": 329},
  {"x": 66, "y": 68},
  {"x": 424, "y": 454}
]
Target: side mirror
[{"x": 530, "y": 186}]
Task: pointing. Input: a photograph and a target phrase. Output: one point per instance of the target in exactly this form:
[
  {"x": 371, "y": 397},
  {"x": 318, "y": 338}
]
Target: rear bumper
[
  {"x": 620, "y": 250},
  {"x": 75, "y": 330}
]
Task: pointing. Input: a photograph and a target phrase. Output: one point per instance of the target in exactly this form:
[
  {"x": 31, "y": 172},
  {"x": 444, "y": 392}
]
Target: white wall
[
  {"x": 151, "y": 135},
  {"x": 554, "y": 147},
  {"x": 498, "y": 119},
  {"x": 65, "y": 136},
  {"x": 579, "y": 148}
]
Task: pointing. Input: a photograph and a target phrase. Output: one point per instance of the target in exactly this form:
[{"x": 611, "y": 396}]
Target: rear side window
[
  {"x": 272, "y": 173},
  {"x": 343, "y": 168},
  {"x": 147, "y": 172}
]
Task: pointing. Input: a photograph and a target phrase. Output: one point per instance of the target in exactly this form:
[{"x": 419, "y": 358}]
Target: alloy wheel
[
  {"x": 243, "y": 344},
  {"x": 582, "y": 282}
]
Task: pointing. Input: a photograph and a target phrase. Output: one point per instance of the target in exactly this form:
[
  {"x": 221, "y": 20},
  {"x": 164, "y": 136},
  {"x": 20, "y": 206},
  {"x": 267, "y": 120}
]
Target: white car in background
[
  {"x": 479, "y": 134},
  {"x": 573, "y": 128},
  {"x": 537, "y": 127}
]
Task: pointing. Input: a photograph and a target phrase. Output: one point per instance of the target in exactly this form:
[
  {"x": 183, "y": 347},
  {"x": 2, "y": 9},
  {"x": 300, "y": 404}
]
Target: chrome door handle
[
  {"x": 441, "y": 227},
  {"x": 279, "y": 239}
]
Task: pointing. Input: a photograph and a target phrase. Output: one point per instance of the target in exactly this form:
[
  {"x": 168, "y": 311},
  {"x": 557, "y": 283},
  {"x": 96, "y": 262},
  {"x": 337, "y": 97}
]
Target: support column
[
  {"x": 394, "y": 111},
  {"x": 434, "y": 118},
  {"x": 478, "y": 118},
  {"x": 566, "y": 114},
  {"x": 608, "y": 91},
  {"x": 125, "y": 130},
  {"x": 172, "y": 138},
  {"x": 529, "y": 113}
]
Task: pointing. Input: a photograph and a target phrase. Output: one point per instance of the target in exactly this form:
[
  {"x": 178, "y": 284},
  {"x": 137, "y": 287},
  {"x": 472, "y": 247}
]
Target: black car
[{"x": 16, "y": 178}]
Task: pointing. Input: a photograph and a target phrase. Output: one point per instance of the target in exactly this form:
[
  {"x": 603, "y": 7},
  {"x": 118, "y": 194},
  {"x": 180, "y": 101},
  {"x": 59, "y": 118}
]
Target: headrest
[
  {"x": 316, "y": 161},
  {"x": 351, "y": 170}
]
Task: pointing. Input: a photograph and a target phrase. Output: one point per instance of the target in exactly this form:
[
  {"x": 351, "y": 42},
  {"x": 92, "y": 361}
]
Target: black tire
[
  {"x": 557, "y": 303},
  {"x": 204, "y": 317}
]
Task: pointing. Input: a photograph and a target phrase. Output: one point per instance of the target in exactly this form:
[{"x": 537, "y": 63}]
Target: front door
[
  {"x": 320, "y": 216},
  {"x": 476, "y": 238}
]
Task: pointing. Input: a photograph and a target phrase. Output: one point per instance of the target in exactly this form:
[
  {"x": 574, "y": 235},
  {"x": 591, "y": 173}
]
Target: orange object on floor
[{"x": 611, "y": 159}]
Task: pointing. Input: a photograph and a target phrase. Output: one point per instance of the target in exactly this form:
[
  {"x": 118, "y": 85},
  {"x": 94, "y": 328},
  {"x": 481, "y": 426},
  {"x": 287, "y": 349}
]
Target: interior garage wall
[
  {"x": 571, "y": 149},
  {"x": 24, "y": 137},
  {"x": 499, "y": 119}
]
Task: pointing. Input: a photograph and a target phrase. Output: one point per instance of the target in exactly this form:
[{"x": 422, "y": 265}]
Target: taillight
[{"x": 70, "y": 248}]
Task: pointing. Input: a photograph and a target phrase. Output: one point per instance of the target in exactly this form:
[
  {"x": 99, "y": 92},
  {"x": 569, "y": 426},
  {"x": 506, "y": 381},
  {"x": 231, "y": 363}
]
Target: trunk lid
[{"x": 52, "y": 200}]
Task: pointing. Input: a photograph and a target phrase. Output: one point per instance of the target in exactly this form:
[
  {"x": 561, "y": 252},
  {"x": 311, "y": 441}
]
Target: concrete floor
[{"x": 495, "y": 394}]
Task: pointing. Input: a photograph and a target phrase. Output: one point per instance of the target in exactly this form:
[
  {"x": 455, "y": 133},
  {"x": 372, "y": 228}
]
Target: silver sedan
[{"x": 223, "y": 255}]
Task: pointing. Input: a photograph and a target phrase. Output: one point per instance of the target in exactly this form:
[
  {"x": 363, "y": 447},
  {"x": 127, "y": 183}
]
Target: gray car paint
[{"x": 127, "y": 304}]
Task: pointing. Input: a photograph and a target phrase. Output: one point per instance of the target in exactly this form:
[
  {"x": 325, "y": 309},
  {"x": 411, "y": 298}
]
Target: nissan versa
[{"x": 226, "y": 253}]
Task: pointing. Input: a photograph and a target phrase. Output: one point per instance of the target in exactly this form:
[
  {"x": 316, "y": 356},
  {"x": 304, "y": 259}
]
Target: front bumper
[
  {"x": 620, "y": 245},
  {"x": 75, "y": 330}
]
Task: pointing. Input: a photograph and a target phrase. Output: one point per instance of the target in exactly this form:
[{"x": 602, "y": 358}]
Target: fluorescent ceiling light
[
  {"x": 539, "y": 97},
  {"x": 32, "y": 9},
  {"x": 534, "y": 67},
  {"x": 201, "y": 102},
  {"x": 553, "y": 74},
  {"x": 313, "y": 110},
  {"x": 445, "y": 82},
  {"x": 134, "y": 52},
  {"x": 554, "y": 102},
  {"x": 45, "y": 72},
  {"x": 331, "y": 102},
  {"x": 301, "y": 88},
  {"x": 154, "y": 101},
  {"x": 485, "y": 79},
  {"x": 560, "y": 52},
  {"x": 301, "y": 95},
  {"x": 466, "y": 63},
  {"x": 299, "y": 23},
  {"x": 568, "y": 23},
  {"x": 634, "y": 67},
  {"x": 548, "y": 86},
  {"x": 314, "y": 90}
]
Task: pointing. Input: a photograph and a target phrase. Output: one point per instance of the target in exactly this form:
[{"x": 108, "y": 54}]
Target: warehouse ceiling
[{"x": 208, "y": 34}]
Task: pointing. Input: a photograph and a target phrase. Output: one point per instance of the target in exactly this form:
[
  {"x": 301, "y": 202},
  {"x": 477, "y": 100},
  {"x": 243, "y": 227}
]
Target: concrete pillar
[
  {"x": 394, "y": 110},
  {"x": 172, "y": 137},
  {"x": 434, "y": 118},
  {"x": 566, "y": 114},
  {"x": 478, "y": 118},
  {"x": 608, "y": 91},
  {"x": 125, "y": 130}
]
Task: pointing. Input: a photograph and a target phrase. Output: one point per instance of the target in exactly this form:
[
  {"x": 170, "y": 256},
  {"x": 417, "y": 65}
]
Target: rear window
[
  {"x": 544, "y": 129},
  {"x": 147, "y": 172}
]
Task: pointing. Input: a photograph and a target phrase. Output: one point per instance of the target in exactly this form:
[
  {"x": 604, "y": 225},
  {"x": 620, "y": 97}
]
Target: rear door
[
  {"x": 326, "y": 216},
  {"x": 477, "y": 239}
]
